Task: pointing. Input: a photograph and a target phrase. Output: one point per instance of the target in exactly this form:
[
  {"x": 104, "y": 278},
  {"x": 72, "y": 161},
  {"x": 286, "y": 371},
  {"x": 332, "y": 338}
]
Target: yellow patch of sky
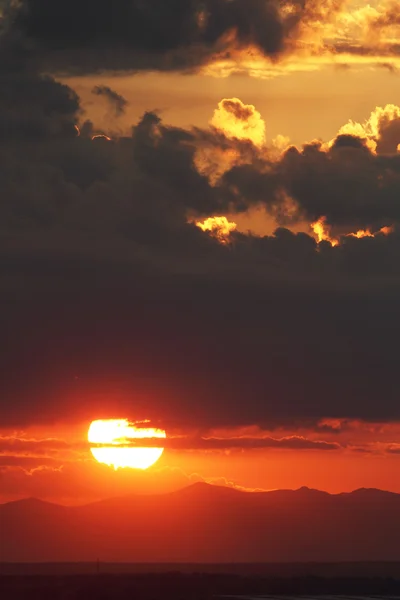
[{"x": 302, "y": 106}]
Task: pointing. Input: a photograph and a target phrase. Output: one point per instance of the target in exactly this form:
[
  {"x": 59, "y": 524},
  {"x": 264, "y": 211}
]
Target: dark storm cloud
[
  {"x": 88, "y": 36},
  {"x": 92, "y": 35},
  {"x": 113, "y": 304},
  {"x": 389, "y": 136},
  {"x": 35, "y": 107},
  {"x": 348, "y": 184}
]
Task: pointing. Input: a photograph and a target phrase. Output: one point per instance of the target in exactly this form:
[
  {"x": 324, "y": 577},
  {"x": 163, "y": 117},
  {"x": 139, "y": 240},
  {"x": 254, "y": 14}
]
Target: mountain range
[{"x": 203, "y": 523}]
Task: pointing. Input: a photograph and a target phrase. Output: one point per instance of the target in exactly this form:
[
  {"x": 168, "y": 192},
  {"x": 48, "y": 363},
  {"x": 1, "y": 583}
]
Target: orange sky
[
  {"x": 54, "y": 462},
  {"x": 309, "y": 95},
  {"x": 303, "y": 106}
]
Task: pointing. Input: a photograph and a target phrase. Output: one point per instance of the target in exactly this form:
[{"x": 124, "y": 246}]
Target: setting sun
[{"x": 120, "y": 433}]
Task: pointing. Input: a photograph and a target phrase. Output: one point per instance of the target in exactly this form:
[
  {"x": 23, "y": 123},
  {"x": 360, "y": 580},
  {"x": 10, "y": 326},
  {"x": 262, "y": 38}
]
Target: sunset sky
[{"x": 200, "y": 234}]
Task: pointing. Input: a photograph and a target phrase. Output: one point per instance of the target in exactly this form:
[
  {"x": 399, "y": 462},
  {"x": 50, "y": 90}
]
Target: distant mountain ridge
[{"x": 204, "y": 523}]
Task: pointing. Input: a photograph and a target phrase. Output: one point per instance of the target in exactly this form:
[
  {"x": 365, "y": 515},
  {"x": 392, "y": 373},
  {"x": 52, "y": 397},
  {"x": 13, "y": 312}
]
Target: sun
[{"x": 121, "y": 452}]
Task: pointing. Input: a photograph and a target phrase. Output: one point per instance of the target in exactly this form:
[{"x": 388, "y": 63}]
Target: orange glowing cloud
[
  {"x": 322, "y": 232},
  {"x": 218, "y": 227},
  {"x": 101, "y": 136},
  {"x": 240, "y": 123},
  {"x": 375, "y": 129},
  {"x": 361, "y": 233},
  {"x": 238, "y": 120}
]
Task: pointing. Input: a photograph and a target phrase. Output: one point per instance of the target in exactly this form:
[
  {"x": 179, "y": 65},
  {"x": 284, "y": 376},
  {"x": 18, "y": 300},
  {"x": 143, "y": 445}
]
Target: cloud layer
[
  {"x": 113, "y": 300},
  {"x": 179, "y": 35}
]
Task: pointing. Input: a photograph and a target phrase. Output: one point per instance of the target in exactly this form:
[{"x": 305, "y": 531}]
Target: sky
[{"x": 199, "y": 230}]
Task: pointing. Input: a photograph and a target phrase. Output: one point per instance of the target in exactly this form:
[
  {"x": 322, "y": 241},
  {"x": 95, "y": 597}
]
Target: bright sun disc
[{"x": 119, "y": 433}]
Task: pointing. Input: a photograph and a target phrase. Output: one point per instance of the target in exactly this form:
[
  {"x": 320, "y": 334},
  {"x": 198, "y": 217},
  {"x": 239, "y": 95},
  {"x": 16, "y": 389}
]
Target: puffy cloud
[
  {"x": 328, "y": 183},
  {"x": 238, "y": 120},
  {"x": 381, "y": 131},
  {"x": 218, "y": 227}
]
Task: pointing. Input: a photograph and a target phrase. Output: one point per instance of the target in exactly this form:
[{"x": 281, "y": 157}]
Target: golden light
[
  {"x": 322, "y": 232},
  {"x": 361, "y": 233},
  {"x": 218, "y": 227},
  {"x": 101, "y": 136},
  {"x": 238, "y": 120},
  {"x": 117, "y": 437}
]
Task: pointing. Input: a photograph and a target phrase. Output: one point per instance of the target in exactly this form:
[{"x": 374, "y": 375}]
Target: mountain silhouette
[{"x": 205, "y": 523}]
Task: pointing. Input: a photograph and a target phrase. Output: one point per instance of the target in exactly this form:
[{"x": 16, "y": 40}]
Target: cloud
[
  {"x": 242, "y": 443},
  {"x": 381, "y": 131},
  {"x": 34, "y": 107},
  {"x": 260, "y": 37},
  {"x": 116, "y": 101},
  {"x": 219, "y": 227},
  {"x": 313, "y": 175},
  {"x": 238, "y": 120},
  {"x": 33, "y": 451},
  {"x": 37, "y": 446},
  {"x": 114, "y": 303},
  {"x": 154, "y": 35}
]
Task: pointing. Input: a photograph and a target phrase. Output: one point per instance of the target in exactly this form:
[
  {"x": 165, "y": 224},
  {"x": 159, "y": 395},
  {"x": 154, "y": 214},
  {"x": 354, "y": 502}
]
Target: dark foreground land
[
  {"x": 203, "y": 523},
  {"x": 191, "y": 586}
]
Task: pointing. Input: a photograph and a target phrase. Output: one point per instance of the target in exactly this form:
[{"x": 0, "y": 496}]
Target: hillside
[{"x": 204, "y": 523}]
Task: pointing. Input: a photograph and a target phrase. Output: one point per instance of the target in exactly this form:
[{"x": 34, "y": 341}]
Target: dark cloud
[
  {"x": 88, "y": 36},
  {"x": 237, "y": 109},
  {"x": 131, "y": 34},
  {"x": 389, "y": 138},
  {"x": 35, "y": 107},
  {"x": 288, "y": 443},
  {"x": 349, "y": 141},
  {"x": 56, "y": 449},
  {"x": 113, "y": 304},
  {"x": 116, "y": 101},
  {"x": 348, "y": 184}
]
